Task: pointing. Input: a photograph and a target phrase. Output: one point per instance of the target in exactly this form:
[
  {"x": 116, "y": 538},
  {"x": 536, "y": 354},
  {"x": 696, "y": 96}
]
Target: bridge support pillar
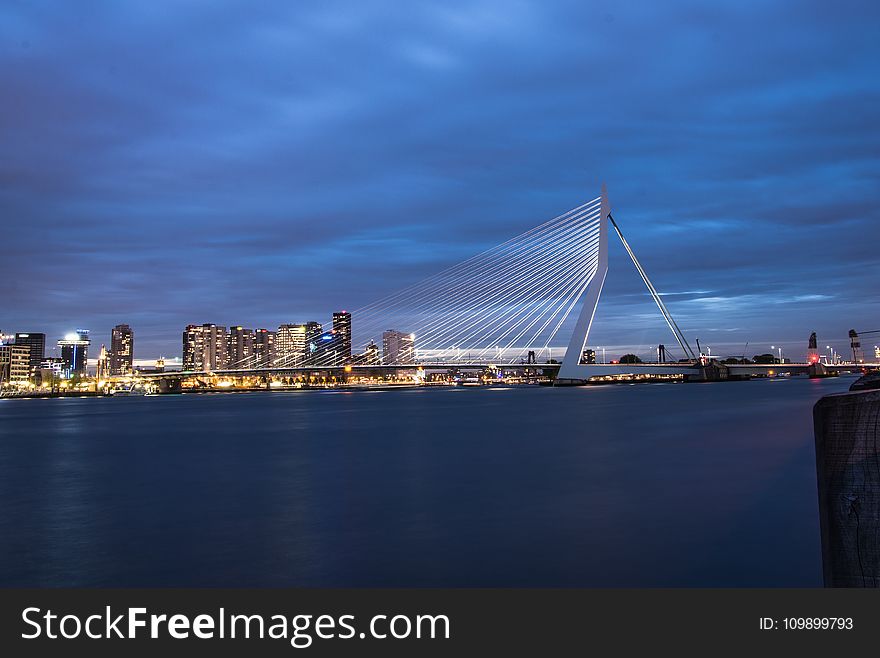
[{"x": 817, "y": 370}]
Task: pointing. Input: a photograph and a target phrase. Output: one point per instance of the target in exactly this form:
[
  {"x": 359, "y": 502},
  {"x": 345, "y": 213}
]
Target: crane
[{"x": 856, "y": 343}]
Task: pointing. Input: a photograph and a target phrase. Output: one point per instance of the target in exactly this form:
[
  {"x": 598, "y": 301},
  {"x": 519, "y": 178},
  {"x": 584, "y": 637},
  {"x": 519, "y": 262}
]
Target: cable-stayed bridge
[{"x": 504, "y": 307}]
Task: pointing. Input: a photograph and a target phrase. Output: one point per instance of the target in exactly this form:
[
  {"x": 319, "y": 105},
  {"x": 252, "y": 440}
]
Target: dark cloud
[{"x": 209, "y": 161}]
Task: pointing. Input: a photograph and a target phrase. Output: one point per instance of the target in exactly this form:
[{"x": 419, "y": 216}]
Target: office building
[
  {"x": 264, "y": 348},
  {"x": 14, "y": 364},
  {"x": 36, "y": 344},
  {"x": 204, "y": 347},
  {"x": 74, "y": 349},
  {"x": 240, "y": 348},
  {"x": 398, "y": 348},
  {"x": 342, "y": 328},
  {"x": 290, "y": 345},
  {"x": 326, "y": 349},
  {"x": 121, "y": 356}
]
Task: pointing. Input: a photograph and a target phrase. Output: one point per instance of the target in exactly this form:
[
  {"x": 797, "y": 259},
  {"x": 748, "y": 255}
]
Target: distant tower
[
  {"x": 856, "y": 345},
  {"x": 121, "y": 357},
  {"x": 342, "y": 327},
  {"x": 103, "y": 369},
  {"x": 812, "y": 350}
]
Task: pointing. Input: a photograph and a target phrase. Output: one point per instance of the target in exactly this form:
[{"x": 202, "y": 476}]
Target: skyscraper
[
  {"x": 36, "y": 344},
  {"x": 398, "y": 348},
  {"x": 240, "y": 348},
  {"x": 74, "y": 353},
  {"x": 121, "y": 357},
  {"x": 342, "y": 327},
  {"x": 264, "y": 348},
  {"x": 326, "y": 349},
  {"x": 292, "y": 343},
  {"x": 204, "y": 347}
]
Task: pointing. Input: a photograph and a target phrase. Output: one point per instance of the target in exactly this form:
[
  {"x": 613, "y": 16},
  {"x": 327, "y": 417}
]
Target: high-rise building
[
  {"x": 36, "y": 344},
  {"x": 326, "y": 349},
  {"x": 240, "y": 348},
  {"x": 74, "y": 353},
  {"x": 204, "y": 347},
  {"x": 14, "y": 364},
  {"x": 264, "y": 348},
  {"x": 342, "y": 327},
  {"x": 292, "y": 343},
  {"x": 121, "y": 357},
  {"x": 398, "y": 348}
]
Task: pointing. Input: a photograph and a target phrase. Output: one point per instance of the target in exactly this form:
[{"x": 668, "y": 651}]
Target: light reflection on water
[{"x": 652, "y": 485}]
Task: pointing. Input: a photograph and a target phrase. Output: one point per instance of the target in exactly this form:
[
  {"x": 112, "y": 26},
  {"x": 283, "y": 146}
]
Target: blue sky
[{"x": 257, "y": 163}]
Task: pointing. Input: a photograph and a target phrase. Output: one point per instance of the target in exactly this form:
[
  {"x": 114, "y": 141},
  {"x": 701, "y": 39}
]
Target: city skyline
[{"x": 331, "y": 185}]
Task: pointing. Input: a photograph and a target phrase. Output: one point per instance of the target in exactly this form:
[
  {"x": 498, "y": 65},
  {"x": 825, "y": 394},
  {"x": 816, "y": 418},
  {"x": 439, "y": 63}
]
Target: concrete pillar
[{"x": 847, "y": 432}]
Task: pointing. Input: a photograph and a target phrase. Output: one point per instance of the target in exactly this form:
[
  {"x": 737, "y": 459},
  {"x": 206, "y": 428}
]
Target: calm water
[{"x": 657, "y": 485}]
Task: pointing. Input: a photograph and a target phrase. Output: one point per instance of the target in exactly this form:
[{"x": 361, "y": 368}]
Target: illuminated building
[
  {"x": 204, "y": 347},
  {"x": 36, "y": 344},
  {"x": 342, "y": 328},
  {"x": 51, "y": 368},
  {"x": 398, "y": 348},
  {"x": 290, "y": 345},
  {"x": 74, "y": 353},
  {"x": 264, "y": 348},
  {"x": 326, "y": 349},
  {"x": 103, "y": 369},
  {"x": 121, "y": 350},
  {"x": 14, "y": 364},
  {"x": 240, "y": 347}
]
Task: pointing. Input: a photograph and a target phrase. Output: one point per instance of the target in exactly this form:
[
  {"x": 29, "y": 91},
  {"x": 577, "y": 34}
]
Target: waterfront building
[
  {"x": 264, "y": 348},
  {"x": 74, "y": 349},
  {"x": 290, "y": 345},
  {"x": 204, "y": 347},
  {"x": 14, "y": 364},
  {"x": 50, "y": 370},
  {"x": 398, "y": 347},
  {"x": 326, "y": 349},
  {"x": 293, "y": 343},
  {"x": 36, "y": 344},
  {"x": 240, "y": 348},
  {"x": 342, "y": 328},
  {"x": 121, "y": 357},
  {"x": 103, "y": 369}
]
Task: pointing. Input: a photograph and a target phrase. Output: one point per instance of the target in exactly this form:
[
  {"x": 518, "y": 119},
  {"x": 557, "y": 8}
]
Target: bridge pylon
[{"x": 573, "y": 368}]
